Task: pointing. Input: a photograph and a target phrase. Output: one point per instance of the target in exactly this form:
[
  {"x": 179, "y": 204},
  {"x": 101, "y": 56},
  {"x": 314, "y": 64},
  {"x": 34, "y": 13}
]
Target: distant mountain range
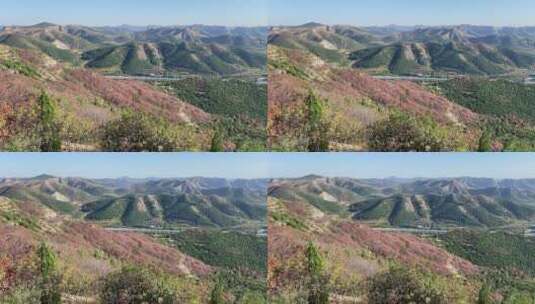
[
  {"x": 463, "y": 49},
  {"x": 147, "y": 50},
  {"x": 315, "y": 210},
  {"x": 96, "y": 227},
  {"x": 199, "y": 202},
  {"x": 455, "y": 232},
  {"x": 455, "y": 202}
]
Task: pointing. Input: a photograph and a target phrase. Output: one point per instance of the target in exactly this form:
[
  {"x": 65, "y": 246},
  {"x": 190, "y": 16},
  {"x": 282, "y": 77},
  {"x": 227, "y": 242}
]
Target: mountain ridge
[
  {"x": 146, "y": 203},
  {"x": 460, "y": 49},
  {"x": 418, "y": 203}
]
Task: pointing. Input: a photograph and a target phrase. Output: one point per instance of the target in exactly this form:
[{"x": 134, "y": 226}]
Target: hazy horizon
[
  {"x": 128, "y": 25},
  {"x": 135, "y": 12},
  {"x": 403, "y": 12},
  {"x": 278, "y": 25},
  {"x": 269, "y": 165},
  {"x": 272, "y": 178},
  {"x": 404, "y": 25}
]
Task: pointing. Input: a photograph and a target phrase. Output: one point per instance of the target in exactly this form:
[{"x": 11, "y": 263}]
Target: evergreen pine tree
[
  {"x": 50, "y": 293},
  {"x": 216, "y": 297},
  {"x": 485, "y": 142},
  {"x": 318, "y": 290},
  {"x": 49, "y": 130},
  {"x": 317, "y": 127},
  {"x": 217, "y": 142},
  {"x": 484, "y": 295}
]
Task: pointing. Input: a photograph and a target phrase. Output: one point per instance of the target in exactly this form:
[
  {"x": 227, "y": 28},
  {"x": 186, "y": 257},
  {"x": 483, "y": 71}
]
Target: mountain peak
[
  {"x": 312, "y": 24},
  {"x": 44, "y": 177},
  {"x": 44, "y": 24}
]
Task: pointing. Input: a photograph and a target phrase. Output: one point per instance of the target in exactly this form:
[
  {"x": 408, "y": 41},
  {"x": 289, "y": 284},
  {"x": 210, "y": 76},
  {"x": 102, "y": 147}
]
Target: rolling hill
[
  {"x": 148, "y": 203},
  {"x": 353, "y": 103},
  {"x": 147, "y": 50},
  {"x": 353, "y": 253},
  {"x": 86, "y": 255},
  {"x": 468, "y": 87},
  {"x": 463, "y": 202},
  {"x": 340, "y": 223},
  {"x": 464, "y": 49},
  {"x": 84, "y": 101},
  {"x": 64, "y": 65},
  {"x": 199, "y": 234}
]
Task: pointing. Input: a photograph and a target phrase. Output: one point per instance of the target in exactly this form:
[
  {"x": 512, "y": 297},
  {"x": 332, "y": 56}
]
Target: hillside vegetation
[
  {"x": 339, "y": 258},
  {"x": 241, "y": 106},
  {"x": 190, "y": 49},
  {"x": 354, "y": 262},
  {"x": 362, "y": 110},
  {"x": 463, "y": 49},
  {"x": 67, "y": 66},
  {"x": 59, "y": 223},
  {"x": 160, "y": 203}
]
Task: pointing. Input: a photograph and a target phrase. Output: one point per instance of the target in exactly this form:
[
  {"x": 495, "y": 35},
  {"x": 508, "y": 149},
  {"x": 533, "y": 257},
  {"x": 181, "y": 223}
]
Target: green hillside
[
  {"x": 194, "y": 49},
  {"x": 223, "y": 97},
  {"x": 499, "y": 250},
  {"x": 429, "y": 57},
  {"x": 492, "y": 97},
  {"x": 426, "y": 203},
  {"x": 224, "y": 249},
  {"x": 30, "y": 43}
]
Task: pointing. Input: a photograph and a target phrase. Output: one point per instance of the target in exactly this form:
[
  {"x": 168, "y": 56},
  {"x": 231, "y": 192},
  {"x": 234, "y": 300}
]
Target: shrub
[
  {"x": 21, "y": 294},
  {"x": 134, "y": 285},
  {"x": 484, "y": 295},
  {"x": 485, "y": 142},
  {"x": 217, "y": 295},
  {"x": 317, "y": 127},
  {"x": 138, "y": 132},
  {"x": 20, "y": 67},
  {"x": 49, "y": 128},
  {"x": 403, "y": 286},
  {"x": 217, "y": 142},
  {"x": 50, "y": 280},
  {"x": 403, "y": 133},
  {"x": 318, "y": 290}
]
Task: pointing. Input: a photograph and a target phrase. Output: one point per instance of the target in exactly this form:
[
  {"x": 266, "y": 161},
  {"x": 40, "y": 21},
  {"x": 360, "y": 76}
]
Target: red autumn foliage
[
  {"x": 134, "y": 248},
  {"x": 343, "y": 87},
  {"x": 16, "y": 256},
  {"x": 82, "y": 94},
  {"x": 18, "y": 244},
  {"x": 139, "y": 96}
]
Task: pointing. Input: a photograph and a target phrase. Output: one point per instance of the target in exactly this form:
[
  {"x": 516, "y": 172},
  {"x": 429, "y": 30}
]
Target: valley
[
  {"x": 368, "y": 81},
  {"x": 193, "y": 239},
  {"x": 108, "y": 79},
  {"x": 451, "y": 237}
]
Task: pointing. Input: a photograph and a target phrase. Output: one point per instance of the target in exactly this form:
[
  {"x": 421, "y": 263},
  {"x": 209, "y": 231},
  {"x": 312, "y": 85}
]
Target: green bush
[
  {"x": 138, "y": 132},
  {"x": 50, "y": 279},
  {"x": 217, "y": 142},
  {"x": 317, "y": 126},
  {"x": 318, "y": 285},
  {"x": 137, "y": 286},
  {"x": 401, "y": 132},
  {"x": 217, "y": 295},
  {"x": 20, "y": 67},
  {"x": 485, "y": 142},
  {"x": 403, "y": 286},
  {"x": 49, "y": 128}
]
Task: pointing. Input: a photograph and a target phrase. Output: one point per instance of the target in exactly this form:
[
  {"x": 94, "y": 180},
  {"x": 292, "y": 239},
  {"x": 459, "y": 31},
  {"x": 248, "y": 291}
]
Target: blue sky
[
  {"x": 262, "y": 165},
  {"x": 403, "y": 12},
  {"x": 137, "y": 165},
  {"x": 134, "y": 12}
]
